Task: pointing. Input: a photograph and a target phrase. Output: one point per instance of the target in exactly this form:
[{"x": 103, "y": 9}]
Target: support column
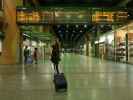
[
  {"x": 10, "y": 51},
  {"x": 87, "y": 44}
]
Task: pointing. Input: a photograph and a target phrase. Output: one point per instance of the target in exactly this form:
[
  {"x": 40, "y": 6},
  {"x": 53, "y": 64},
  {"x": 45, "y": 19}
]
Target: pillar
[
  {"x": 87, "y": 44},
  {"x": 10, "y": 51}
]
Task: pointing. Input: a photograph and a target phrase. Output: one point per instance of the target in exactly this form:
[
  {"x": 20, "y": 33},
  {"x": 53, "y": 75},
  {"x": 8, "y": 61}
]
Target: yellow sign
[
  {"x": 31, "y": 17},
  {"x": 103, "y": 17},
  {"x": 110, "y": 17}
]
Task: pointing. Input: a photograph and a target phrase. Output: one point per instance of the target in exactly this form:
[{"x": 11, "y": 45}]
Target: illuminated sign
[
  {"x": 119, "y": 16},
  {"x": 102, "y": 17},
  {"x": 71, "y": 17},
  {"x": 34, "y": 17},
  {"x": 40, "y": 17}
]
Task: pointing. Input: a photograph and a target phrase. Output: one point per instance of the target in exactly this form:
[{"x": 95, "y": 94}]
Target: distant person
[
  {"x": 35, "y": 55},
  {"x": 26, "y": 54},
  {"x": 55, "y": 56}
]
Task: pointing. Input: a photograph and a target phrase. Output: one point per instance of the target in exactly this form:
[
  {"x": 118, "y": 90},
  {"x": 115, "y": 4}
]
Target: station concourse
[{"x": 96, "y": 49}]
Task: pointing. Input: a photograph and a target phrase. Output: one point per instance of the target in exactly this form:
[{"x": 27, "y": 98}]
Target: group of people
[
  {"x": 55, "y": 55},
  {"x": 27, "y": 55}
]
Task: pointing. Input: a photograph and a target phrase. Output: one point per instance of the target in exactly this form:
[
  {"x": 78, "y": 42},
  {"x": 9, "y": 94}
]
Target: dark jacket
[{"x": 55, "y": 56}]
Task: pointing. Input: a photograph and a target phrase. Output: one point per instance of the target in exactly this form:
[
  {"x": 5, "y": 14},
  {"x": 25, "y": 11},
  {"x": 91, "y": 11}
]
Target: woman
[
  {"x": 36, "y": 55},
  {"x": 26, "y": 54},
  {"x": 55, "y": 56}
]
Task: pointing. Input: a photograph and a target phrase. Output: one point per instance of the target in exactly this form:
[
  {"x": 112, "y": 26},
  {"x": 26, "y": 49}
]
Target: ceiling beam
[{"x": 123, "y": 3}]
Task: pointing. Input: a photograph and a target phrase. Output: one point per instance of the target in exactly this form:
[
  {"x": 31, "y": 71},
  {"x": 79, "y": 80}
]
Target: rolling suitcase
[
  {"x": 60, "y": 82},
  {"x": 29, "y": 60}
]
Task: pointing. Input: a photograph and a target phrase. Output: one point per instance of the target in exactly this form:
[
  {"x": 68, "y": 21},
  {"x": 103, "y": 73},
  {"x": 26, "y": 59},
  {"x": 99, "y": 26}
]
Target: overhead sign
[
  {"x": 109, "y": 17},
  {"x": 40, "y": 16},
  {"x": 34, "y": 17},
  {"x": 98, "y": 17},
  {"x": 121, "y": 16}
]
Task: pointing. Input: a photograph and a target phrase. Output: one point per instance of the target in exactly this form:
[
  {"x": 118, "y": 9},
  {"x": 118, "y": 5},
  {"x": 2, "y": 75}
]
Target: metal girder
[{"x": 123, "y": 3}]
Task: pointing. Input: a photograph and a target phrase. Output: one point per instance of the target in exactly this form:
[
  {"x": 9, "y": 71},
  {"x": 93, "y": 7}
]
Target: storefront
[
  {"x": 105, "y": 46},
  {"x": 117, "y": 44},
  {"x": 32, "y": 44},
  {"x": 124, "y": 43}
]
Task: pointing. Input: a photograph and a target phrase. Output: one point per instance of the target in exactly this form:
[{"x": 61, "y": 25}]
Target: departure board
[
  {"x": 34, "y": 17},
  {"x": 69, "y": 16}
]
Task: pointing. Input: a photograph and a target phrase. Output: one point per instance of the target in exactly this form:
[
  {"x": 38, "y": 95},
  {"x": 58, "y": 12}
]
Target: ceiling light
[
  {"x": 80, "y": 16},
  {"x": 85, "y": 26},
  {"x": 77, "y": 26},
  {"x": 67, "y": 25},
  {"x": 56, "y": 14},
  {"x": 58, "y": 26},
  {"x": 59, "y": 31},
  {"x": 66, "y": 30},
  {"x": 68, "y": 16},
  {"x": 24, "y": 8}
]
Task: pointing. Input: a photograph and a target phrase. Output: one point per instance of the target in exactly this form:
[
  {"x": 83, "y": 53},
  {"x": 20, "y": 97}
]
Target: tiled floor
[{"x": 88, "y": 79}]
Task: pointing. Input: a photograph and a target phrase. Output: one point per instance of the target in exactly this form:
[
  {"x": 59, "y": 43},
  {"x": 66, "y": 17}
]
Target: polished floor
[{"x": 88, "y": 79}]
